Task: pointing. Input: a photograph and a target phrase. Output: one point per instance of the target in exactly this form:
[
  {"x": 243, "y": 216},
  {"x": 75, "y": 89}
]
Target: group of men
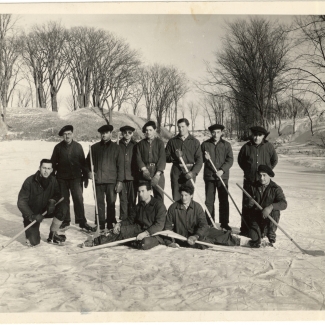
[{"x": 136, "y": 169}]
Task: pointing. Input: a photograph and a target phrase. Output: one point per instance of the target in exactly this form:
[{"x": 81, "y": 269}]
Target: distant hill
[{"x": 38, "y": 123}]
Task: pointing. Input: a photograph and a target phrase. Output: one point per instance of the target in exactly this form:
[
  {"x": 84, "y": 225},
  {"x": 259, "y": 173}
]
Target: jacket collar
[
  {"x": 189, "y": 137},
  {"x": 251, "y": 143},
  {"x": 181, "y": 206},
  {"x": 211, "y": 140},
  {"x": 131, "y": 141},
  {"x": 151, "y": 202},
  {"x": 102, "y": 143}
]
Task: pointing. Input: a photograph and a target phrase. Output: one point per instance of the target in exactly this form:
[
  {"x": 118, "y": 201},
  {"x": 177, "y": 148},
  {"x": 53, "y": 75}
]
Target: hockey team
[{"x": 135, "y": 171}]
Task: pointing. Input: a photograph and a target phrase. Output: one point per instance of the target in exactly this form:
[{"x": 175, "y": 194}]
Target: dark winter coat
[
  {"x": 186, "y": 222},
  {"x": 191, "y": 149},
  {"x": 153, "y": 152},
  {"x": 69, "y": 160},
  {"x": 108, "y": 162},
  {"x": 150, "y": 217},
  {"x": 130, "y": 169},
  {"x": 273, "y": 194},
  {"x": 33, "y": 199},
  {"x": 251, "y": 156},
  {"x": 221, "y": 156}
]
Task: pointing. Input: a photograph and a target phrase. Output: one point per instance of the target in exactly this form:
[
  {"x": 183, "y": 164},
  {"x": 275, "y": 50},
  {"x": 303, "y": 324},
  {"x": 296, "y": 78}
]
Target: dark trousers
[
  {"x": 107, "y": 190},
  {"x": 260, "y": 227},
  {"x": 245, "y": 211},
  {"x": 128, "y": 197},
  {"x": 219, "y": 237},
  {"x": 177, "y": 179},
  {"x": 75, "y": 187},
  {"x": 32, "y": 233},
  {"x": 133, "y": 231},
  {"x": 210, "y": 195}
]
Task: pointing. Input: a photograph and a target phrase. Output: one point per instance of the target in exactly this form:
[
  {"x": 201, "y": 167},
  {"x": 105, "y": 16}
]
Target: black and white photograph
[{"x": 162, "y": 160}]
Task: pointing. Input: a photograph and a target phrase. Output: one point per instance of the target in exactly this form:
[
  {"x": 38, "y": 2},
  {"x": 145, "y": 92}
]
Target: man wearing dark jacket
[
  {"x": 187, "y": 218},
  {"x": 151, "y": 159},
  {"x": 39, "y": 193},
  {"x": 108, "y": 169},
  {"x": 144, "y": 221},
  {"x": 270, "y": 197},
  {"x": 69, "y": 167},
  {"x": 190, "y": 149},
  {"x": 220, "y": 153},
  {"x": 128, "y": 195},
  {"x": 255, "y": 152}
]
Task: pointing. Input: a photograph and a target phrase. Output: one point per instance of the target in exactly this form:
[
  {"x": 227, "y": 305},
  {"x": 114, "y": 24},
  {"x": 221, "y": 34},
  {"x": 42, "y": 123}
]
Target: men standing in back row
[
  {"x": 69, "y": 167},
  {"x": 258, "y": 151},
  {"x": 108, "y": 170},
  {"x": 220, "y": 153},
  {"x": 191, "y": 151},
  {"x": 151, "y": 159}
]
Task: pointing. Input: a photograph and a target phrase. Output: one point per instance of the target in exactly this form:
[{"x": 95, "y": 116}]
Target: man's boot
[
  {"x": 86, "y": 227},
  {"x": 54, "y": 238}
]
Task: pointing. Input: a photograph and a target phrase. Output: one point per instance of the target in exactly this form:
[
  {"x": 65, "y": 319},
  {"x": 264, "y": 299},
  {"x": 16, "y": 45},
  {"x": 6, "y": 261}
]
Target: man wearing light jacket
[
  {"x": 220, "y": 153},
  {"x": 108, "y": 170}
]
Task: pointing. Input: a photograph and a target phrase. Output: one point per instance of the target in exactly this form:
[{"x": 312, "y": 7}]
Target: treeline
[{"x": 264, "y": 72}]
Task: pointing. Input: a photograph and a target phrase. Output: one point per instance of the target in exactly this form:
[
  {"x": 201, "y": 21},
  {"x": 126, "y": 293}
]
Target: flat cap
[
  {"x": 105, "y": 128},
  {"x": 259, "y": 129},
  {"x": 127, "y": 128},
  {"x": 216, "y": 127},
  {"x": 149, "y": 123},
  {"x": 265, "y": 169},
  {"x": 66, "y": 128}
]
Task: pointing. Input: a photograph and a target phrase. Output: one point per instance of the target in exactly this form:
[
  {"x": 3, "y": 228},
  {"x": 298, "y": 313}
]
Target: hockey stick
[
  {"x": 179, "y": 154},
  {"x": 94, "y": 190},
  {"x": 160, "y": 189},
  {"x": 171, "y": 234},
  {"x": 304, "y": 251},
  {"x": 12, "y": 239}
]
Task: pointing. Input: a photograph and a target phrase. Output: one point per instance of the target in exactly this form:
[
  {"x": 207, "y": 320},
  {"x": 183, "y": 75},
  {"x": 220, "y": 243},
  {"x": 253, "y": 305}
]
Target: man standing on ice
[
  {"x": 39, "y": 193},
  {"x": 257, "y": 151},
  {"x": 187, "y": 218},
  {"x": 186, "y": 145},
  {"x": 151, "y": 159},
  {"x": 128, "y": 195},
  {"x": 220, "y": 153},
  {"x": 146, "y": 219},
  {"x": 271, "y": 198},
  {"x": 108, "y": 169},
  {"x": 69, "y": 167}
]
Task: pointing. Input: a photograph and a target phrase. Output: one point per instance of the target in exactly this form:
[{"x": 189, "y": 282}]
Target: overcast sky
[{"x": 185, "y": 41}]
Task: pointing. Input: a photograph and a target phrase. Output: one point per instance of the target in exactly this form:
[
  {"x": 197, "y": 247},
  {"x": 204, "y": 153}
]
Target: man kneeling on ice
[
  {"x": 187, "y": 218},
  {"x": 271, "y": 198},
  {"x": 39, "y": 193},
  {"x": 147, "y": 218}
]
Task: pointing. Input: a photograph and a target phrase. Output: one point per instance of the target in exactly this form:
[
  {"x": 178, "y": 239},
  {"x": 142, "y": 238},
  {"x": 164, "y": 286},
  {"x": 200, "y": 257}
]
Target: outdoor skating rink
[{"x": 47, "y": 279}]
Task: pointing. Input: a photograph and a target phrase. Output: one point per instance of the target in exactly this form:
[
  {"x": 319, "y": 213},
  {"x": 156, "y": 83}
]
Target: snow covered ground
[{"x": 47, "y": 279}]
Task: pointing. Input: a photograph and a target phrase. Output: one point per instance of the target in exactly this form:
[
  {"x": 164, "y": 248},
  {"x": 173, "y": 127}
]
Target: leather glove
[
  {"x": 192, "y": 239},
  {"x": 155, "y": 179},
  {"x": 118, "y": 187},
  {"x": 219, "y": 173},
  {"x": 85, "y": 181},
  {"x": 38, "y": 217},
  {"x": 146, "y": 174},
  {"x": 207, "y": 155},
  {"x": 179, "y": 153},
  {"x": 173, "y": 245},
  {"x": 266, "y": 211},
  {"x": 90, "y": 175},
  {"x": 50, "y": 206},
  {"x": 117, "y": 228},
  {"x": 250, "y": 203},
  {"x": 189, "y": 175},
  {"x": 143, "y": 235}
]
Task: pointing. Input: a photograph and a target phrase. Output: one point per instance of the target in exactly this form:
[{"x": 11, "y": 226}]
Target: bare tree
[
  {"x": 194, "y": 111},
  {"x": 250, "y": 68},
  {"x": 24, "y": 98},
  {"x": 136, "y": 94},
  {"x": 10, "y": 44}
]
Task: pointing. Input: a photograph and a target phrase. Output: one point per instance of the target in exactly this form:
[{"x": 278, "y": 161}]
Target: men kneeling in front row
[
  {"x": 40, "y": 192},
  {"x": 185, "y": 217}
]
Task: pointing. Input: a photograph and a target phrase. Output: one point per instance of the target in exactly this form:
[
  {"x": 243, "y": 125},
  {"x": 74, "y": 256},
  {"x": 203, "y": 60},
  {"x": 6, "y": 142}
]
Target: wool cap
[
  {"x": 149, "y": 123},
  {"x": 105, "y": 128},
  {"x": 66, "y": 128},
  {"x": 127, "y": 128},
  {"x": 216, "y": 127},
  {"x": 259, "y": 129},
  {"x": 265, "y": 169}
]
